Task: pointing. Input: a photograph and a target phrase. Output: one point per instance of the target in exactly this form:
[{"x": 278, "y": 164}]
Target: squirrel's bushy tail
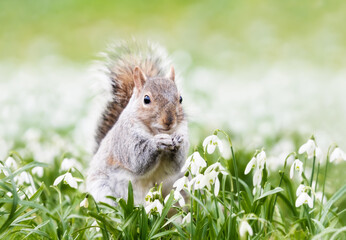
[{"x": 121, "y": 59}]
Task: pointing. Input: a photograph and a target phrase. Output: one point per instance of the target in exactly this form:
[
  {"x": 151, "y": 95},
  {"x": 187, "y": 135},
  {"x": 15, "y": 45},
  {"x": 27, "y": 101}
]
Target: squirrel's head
[{"x": 158, "y": 101}]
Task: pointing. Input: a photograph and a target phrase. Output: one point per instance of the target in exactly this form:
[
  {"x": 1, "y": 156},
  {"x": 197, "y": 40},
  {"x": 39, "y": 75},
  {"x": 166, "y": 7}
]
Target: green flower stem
[
  {"x": 325, "y": 176},
  {"x": 318, "y": 171},
  {"x": 313, "y": 169},
  {"x": 308, "y": 218},
  {"x": 282, "y": 173},
  {"x": 234, "y": 164}
]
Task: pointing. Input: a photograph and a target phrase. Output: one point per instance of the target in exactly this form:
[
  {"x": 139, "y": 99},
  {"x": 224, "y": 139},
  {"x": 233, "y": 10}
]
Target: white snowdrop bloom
[
  {"x": 38, "y": 171},
  {"x": 177, "y": 197},
  {"x": 11, "y": 163},
  {"x": 245, "y": 228},
  {"x": 319, "y": 195},
  {"x": 250, "y": 165},
  {"x": 319, "y": 154},
  {"x": 261, "y": 159},
  {"x": 301, "y": 189},
  {"x": 155, "y": 206},
  {"x": 338, "y": 155},
  {"x": 304, "y": 198},
  {"x": 195, "y": 162},
  {"x": 217, "y": 167},
  {"x": 84, "y": 203},
  {"x": 95, "y": 224},
  {"x": 22, "y": 178},
  {"x": 181, "y": 183},
  {"x": 187, "y": 218},
  {"x": 69, "y": 163},
  {"x": 308, "y": 147},
  {"x": 200, "y": 181},
  {"x": 68, "y": 179},
  {"x": 297, "y": 166},
  {"x": 211, "y": 142},
  {"x": 257, "y": 177}
]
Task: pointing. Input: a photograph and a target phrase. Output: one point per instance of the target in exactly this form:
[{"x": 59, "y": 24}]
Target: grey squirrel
[{"x": 142, "y": 135}]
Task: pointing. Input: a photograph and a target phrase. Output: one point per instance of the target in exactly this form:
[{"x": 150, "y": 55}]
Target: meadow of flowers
[{"x": 211, "y": 201}]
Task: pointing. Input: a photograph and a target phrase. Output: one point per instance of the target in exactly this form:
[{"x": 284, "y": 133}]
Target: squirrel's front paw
[
  {"x": 177, "y": 140},
  {"x": 164, "y": 142}
]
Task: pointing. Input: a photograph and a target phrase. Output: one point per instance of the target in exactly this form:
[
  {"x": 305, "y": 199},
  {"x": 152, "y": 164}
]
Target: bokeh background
[{"x": 272, "y": 73}]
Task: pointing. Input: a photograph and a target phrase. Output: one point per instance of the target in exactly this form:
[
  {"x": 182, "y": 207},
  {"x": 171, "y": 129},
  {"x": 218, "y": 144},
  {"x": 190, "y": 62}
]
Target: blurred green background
[{"x": 271, "y": 72}]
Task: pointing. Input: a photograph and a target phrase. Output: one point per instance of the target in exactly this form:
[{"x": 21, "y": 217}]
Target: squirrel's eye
[
  {"x": 146, "y": 99},
  {"x": 180, "y": 99}
]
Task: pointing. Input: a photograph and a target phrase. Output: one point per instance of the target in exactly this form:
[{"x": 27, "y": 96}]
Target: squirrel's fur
[{"x": 138, "y": 141}]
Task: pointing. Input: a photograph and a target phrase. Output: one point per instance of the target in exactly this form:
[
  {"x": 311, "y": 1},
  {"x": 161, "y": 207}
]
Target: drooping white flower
[
  {"x": 217, "y": 167},
  {"x": 68, "y": 179},
  {"x": 181, "y": 183},
  {"x": 69, "y": 163},
  {"x": 338, "y": 155},
  {"x": 177, "y": 197},
  {"x": 84, "y": 203},
  {"x": 151, "y": 196},
  {"x": 257, "y": 177},
  {"x": 22, "y": 178},
  {"x": 250, "y": 165},
  {"x": 11, "y": 163},
  {"x": 200, "y": 181},
  {"x": 318, "y": 154},
  {"x": 155, "y": 206},
  {"x": 187, "y": 218},
  {"x": 38, "y": 171},
  {"x": 304, "y": 198},
  {"x": 245, "y": 228},
  {"x": 297, "y": 165},
  {"x": 318, "y": 196},
  {"x": 211, "y": 142},
  {"x": 308, "y": 147},
  {"x": 261, "y": 159},
  {"x": 195, "y": 162},
  {"x": 95, "y": 224}
]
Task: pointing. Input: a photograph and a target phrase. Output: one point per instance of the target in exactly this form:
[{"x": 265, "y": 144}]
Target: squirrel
[{"x": 142, "y": 135}]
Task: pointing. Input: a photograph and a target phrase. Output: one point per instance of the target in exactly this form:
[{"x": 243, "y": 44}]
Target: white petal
[
  {"x": 187, "y": 164},
  {"x": 257, "y": 177},
  {"x": 245, "y": 227},
  {"x": 250, "y": 165},
  {"x": 200, "y": 162},
  {"x": 207, "y": 141},
  {"x": 300, "y": 190},
  {"x": 211, "y": 148},
  {"x": 217, "y": 187},
  {"x": 187, "y": 218},
  {"x": 58, "y": 180},
  {"x": 292, "y": 170},
  {"x": 310, "y": 202},
  {"x": 300, "y": 200},
  {"x": 319, "y": 154},
  {"x": 71, "y": 181}
]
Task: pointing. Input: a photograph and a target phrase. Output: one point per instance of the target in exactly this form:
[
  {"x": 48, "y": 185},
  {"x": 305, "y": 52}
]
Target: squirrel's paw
[
  {"x": 177, "y": 140},
  {"x": 164, "y": 142}
]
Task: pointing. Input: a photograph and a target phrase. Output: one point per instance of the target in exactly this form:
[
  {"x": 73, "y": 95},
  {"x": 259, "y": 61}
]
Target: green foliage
[{"x": 33, "y": 207}]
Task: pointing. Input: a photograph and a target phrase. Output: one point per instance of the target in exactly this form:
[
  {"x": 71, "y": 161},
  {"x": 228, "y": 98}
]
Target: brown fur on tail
[{"x": 121, "y": 61}]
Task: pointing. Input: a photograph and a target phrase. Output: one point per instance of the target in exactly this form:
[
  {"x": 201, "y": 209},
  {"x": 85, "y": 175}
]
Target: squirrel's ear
[
  {"x": 171, "y": 74},
  {"x": 139, "y": 78}
]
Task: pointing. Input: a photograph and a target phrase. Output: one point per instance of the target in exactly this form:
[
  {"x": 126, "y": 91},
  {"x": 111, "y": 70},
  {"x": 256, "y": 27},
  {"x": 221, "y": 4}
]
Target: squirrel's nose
[{"x": 168, "y": 120}]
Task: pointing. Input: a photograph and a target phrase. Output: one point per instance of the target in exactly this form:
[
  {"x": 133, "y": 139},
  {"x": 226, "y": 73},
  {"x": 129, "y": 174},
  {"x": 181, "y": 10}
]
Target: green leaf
[
  {"x": 340, "y": 193},
  {"x": 130, "y": 201},
  {"x": 270, "y": 192}
]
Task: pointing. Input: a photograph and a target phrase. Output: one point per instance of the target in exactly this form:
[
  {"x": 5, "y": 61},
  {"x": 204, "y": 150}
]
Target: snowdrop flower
[
  {"x": 195, "y": 162},
  {"x": 257, "y": 178},
  {"x": 151, "y": 196},
  {"x": 318, "y": 154},
  {"x": 187, "y": 218},
  {"x": 84, "y": 203},
  {"x": 199, "y": 181},
  {"x": 177, "y": 197},
  {"x": 250, "y": 165},
  {"x": 38, "y": 171},
  {"x": 207, "y": 180},
  {"x": 318, "y": 196},
  {"x": 68, "y": 179},
  {"x": 11, "y": 163},
  {"x": 22, "y": 178},
  {"x": 211, "y": 142},
  {"x": 296, "y": 166},
  {"x": 308, "y": 147},
  {"x": 95, "y": 224},
  {"x": 245, "y": 228},
  {"x": 338, "y": 155},
  {"x": 217, "y": 167},
  {"x": 69, "y": 163},
  {"x": 181, "y": 183},
  {"x": 303, "y": 197},
  {"x": 155, "y": 206},
  {"x": 261, "y": 159}
]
